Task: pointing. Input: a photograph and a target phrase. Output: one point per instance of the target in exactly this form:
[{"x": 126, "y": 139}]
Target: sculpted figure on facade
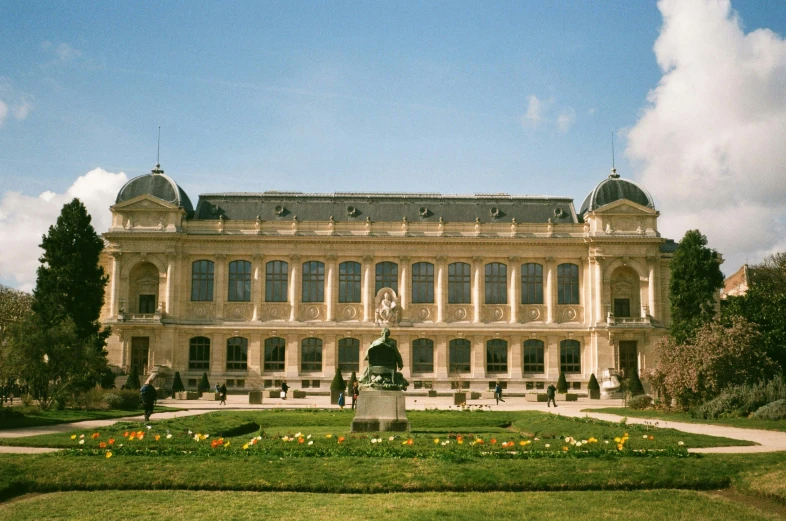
[{"x": 388, "y": 310}]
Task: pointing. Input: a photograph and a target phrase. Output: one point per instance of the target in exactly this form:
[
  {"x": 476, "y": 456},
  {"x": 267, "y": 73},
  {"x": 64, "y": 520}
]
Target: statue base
[{"x": 380, "y": 411}]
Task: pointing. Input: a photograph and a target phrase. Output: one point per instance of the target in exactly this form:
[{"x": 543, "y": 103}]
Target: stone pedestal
[{"x": 380, "y": 411}]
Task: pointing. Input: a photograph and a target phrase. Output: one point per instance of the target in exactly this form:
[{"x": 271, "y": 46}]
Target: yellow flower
[
  {"x": 226, "y": 444},
  {"x": 158, "y": 437},
  {"x": 564, "y": 449},
  {"x": 436, "y": 440},
  {"x": 245, "y": 447},
  {"x": 617, "y": 440},
  {"x": 73, "y": 436},
  {"x": 592, "y": 440},
  {"x": 108, "y": 454},
  {"x": 619, "y": 446},
  {"x": 328, "y": 436}
]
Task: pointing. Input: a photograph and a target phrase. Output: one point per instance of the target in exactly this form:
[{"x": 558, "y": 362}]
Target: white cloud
[
  {"x": 66, "y": 53},
  {"x": 536, "y": 110},
  {"x": 566, "y": 119},
  {"x": 3, "y": 112},
  {"x": 709, "y": 144},
  {"x": 22, "y": 109},
  {"x": 24, "y": 220},
  {"x": 12, "y": 101}
]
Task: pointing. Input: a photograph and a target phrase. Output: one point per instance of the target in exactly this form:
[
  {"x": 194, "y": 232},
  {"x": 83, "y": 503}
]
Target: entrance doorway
[
  {"x": 629, "y": 357},
  {"x": 140, "y": 347}
]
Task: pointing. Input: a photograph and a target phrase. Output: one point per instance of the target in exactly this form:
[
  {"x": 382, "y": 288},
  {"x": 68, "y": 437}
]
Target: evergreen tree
[
  {"x": 562, "y": 383},
  {"x": 133, "y": 379},
  {"x": 593, "y": 385},
  {"x": 204, "y": 384},
  {"x": 695, "y": 279},
  {"x": 338, "y": 383},
  {"x": 177, "y": 384},
  {"x": 633, "y": 384}
]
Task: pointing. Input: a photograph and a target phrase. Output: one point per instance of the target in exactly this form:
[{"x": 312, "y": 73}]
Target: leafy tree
[
  {"x": 716, "y": 358},
  {"x": 177, "y": 384},
  {"x": 204, "y": 384},
  {"x": 14, "y": 305},
  {"x": 133, "y": 379},
  {"x": 562, "y": 383},
  {"x": 695, "y": 279}
]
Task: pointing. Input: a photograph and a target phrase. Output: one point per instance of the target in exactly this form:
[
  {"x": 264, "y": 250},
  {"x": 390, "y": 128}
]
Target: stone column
[
  {"x": 170, "y": 283},
  {"x": 368, "y": 288},
  {"x": 254, "y": 356},
  {"x": 220, "y": 288},
  {"x": 516, "y": 358},
  {"x": 551, "y": 286},
  {"x": 442, "y": 286},
  {"x": 405, "y": 348},
  {"x": 218, "y": 356},
  {"x": 652, "y": 287},
  {"x": 477, "y": 290},
  {"x": 256, "y": 292},
  {"x": 600, "y": 313},
  {"x": 404, "y": 285},
  {"x": 331, "y": 292},
  {"x": 114, "y": 298},
  {"x": 513, "y": 294},
  {"x": 292, "y": 358},
  {"x": 441, "y": 357},
  {"x": 294, "y": 287},
  {"x": 552, "y": 358},
  {"x": 478, "y": 357},
  {"x": 330, "y": 357}
]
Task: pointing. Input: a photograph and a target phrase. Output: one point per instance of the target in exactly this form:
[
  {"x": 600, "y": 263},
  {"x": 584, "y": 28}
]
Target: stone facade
[{"x": 254, "y": 301}]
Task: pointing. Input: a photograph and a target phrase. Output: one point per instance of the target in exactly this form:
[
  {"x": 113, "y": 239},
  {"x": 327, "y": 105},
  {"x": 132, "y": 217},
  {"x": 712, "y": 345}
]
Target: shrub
[
  {"x": 593, "y": 383},
  {"x": 633, "y": 384},
  {"x": 177, "y": 384},
  {"x": 107, "y": 378},
  {"x": 204, "y": 384},
  {"x": 338, "y": 383},
  {"x": 562, "y": 383},
  {"x": 772, "y": 411},
  {"x": 640, "y": 402},
  {"x": 128, "y": 399},
  {"x": 92, "y": 399},
  {"x": 133, "y": 380},
  {"x": 113, "y": 400},
  {"x": 741, "y": 400}
]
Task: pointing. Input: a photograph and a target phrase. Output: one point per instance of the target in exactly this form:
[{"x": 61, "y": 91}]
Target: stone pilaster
[{"x": 294, "y": 287}]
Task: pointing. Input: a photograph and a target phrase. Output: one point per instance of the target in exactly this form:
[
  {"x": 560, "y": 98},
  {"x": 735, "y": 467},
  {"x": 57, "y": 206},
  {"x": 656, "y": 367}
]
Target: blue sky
[{"x": 449, "y": 97}]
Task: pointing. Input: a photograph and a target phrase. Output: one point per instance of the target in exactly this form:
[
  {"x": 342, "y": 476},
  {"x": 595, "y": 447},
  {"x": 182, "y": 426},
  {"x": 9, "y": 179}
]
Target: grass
[
  {"x": 743, "y": 423},
  {"x": 54, "y": 417},
  {"x": 635, "y": 506}
]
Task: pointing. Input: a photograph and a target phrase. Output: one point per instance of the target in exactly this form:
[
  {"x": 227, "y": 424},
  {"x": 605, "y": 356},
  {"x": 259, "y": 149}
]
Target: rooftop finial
[
  {"x": 613, "y": 174},
  {"x": 157, "y": 169}
]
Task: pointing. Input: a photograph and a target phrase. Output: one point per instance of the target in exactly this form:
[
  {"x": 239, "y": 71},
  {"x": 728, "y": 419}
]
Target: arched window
[
  {"x": 349, "y": 282},
  {"x": 311, "y": 354},
  {"x": 567, "y": 284},
  {"x": 570, "y": 356},
  {"x": 199, "y": 353},
  {"x": 423, "y": 356},
  {"x": 460, "y": 351},
  {"x": 423, "y": 283},
  {"x": 459, "y": 278},
  {"x": 387, "y": 276},
  {"x": 349, "y": 354},
  {"x": 276, "y": 273},
  {"x": 239, "y": 281},
  {"x": 531, "y": 283},
  {"x": 496, "y": 283},
  {"x": 202, "y": 281},
  {"x": 496, "y": 356},
  {"x": 313, "y": 282},
  {"x": 237, "y": 354},
  {"x": 533, "y": 356},
  {"x": 275, "y": 353}
]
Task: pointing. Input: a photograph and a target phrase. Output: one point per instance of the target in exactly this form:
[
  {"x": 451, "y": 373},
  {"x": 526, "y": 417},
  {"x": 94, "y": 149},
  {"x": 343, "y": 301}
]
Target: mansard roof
[
  {"x": 158, "y": 185},
  {"x": 386, "y": 207}
]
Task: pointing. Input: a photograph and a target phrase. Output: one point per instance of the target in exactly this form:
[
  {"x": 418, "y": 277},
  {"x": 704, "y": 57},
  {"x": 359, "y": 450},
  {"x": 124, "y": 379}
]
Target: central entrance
[{"x": 629, "y": 358}]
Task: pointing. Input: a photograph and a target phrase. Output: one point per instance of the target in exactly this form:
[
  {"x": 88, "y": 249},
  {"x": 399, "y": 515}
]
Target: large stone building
[{"x": 254, "y": 288}]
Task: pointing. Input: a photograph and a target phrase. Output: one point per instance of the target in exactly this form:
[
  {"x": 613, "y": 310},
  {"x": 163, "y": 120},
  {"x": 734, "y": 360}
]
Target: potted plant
[
  {"x": 459, "y": 394},
  {"x": 203, "y": 387},
  {"x": 337, "y": 386},
  {"x": 593, "y": 388},
  {"x": 298, "y": 394},
  {"x": 562, "y": 383},
  {"x": 255, "y": 396}
]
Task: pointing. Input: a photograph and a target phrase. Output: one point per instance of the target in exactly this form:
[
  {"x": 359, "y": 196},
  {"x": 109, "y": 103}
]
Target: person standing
[
  {"x": 222, "y": 394},
  {"x": 341, "y": 401},
  {"x": 148, "y": 395},
  {"x": 550, "y": 394},
  {"x": 498, "y": 393},
  {"x": 355, "y": 392},
  {"x": 284, "y": 389}
]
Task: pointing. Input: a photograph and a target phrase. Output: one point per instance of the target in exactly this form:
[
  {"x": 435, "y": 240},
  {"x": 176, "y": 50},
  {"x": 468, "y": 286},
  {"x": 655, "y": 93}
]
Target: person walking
[
  {"x": 148, "y": 395},
  {"x": 341, "y": 401},
  {"x": 284, "y": 389},
  {"x": 498, "y": 393},
  {"x": 355, "y": 392},
  {"x": 550, "y": 394},
  {"x": 222, "y": 394}
]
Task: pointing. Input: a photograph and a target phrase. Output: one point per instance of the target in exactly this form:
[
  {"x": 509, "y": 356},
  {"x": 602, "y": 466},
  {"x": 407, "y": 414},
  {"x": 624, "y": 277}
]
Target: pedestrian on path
[
  {"x": 148, "y": 395},
  {"x": 222, "y": 394},
  {"x": 498, "y": 393},
  {"x": 284, "y": 389},
  {"x": 550, "y": 394},
  {"x": 355, "y": 392},
  {"x": 341, "y": 401}
]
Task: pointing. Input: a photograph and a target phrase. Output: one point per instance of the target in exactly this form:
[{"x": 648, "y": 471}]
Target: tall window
[
  {"x": 459, "y": 290},
  {"x": 276, "y": 273},
  {"x": 459, "y": 354},
  {"x": 311, "y": 354},
  {"x": 237, "y": 354},
  {"x": 199, "y": 353},
  {"x": 202, "y": 280},
  {"x": 313, "y": 281},
  {"x": 496, "y": 283},
  {"x": 496, "y": 356},
  {"x": 423, "y": 283},
  {"x": 533, "y": 356},
  {"x": 275, "y": 353},
  {"x": 240, "y": 281},
  {"x": 349, "y": 354},
  {"x": 387, "y": 276},
  {"x": 349, "y": 282},
  {"x": 422, "y": 356},
  {"x": 531, "y": 284},
  {"x": 570, "y": 356},
  {"x": 567, "y": 284}
]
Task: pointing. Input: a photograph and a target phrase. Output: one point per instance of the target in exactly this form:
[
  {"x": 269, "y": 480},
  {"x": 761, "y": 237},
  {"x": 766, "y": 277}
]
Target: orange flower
[
  {"x": 564, "y": 449},
  {"x": 479, "y": 441},
  {"x": 140, "y": 434},
  {"x": 158, "y": 437},
  {"x": 493, "y": 441},
  {"x": 301, "y": 439},
  {"x": 125, "y": 434},
  {"x": 340, "y": 439},
  {"x": 95, "y": 435},
  {"x": 102, "y": 445},
  {"x": 111, "y": 441},
  {"x": 459, "y": 440},
  {"x": 131, "y": 436},
  {"x": 410, "y": 442},
  {"x": 619, "y": 446}
]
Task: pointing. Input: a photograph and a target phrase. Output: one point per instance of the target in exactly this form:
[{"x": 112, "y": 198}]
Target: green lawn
[
  {"x": 649, "y": 505},
  {"x": 743, "y": 423},
  {"x": 54, "y": 417}
]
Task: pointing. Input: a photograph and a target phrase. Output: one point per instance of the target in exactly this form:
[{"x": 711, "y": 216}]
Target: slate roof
[
  {"x": 613, "y": 189},
  {"x": 386, "y": 207},
  {"x": 158, "y": 185},
  {"x": 670, "y": 246}
]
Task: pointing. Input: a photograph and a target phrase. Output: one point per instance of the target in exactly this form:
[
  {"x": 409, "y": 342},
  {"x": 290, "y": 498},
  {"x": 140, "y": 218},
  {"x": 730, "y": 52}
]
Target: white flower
[
  {"x": 190, "y": 433},
  {"x": 81, "y": 442},
  {"x": 606, "y": 442},
  {"x": 149, "y": 427},
  {"x": 548, "y": 445},
  {"x": 391, "y": 438},
  {"x": 537, "y": 439},
  {"x": 298, "y": 435},
  {"x": 680, "y": 443},
  {"x": 568, "y": 439},
  {"x": 311, "y": 442},
  {"x": 373, "y": 440},
  {"x": 577, "y": 443},
  {"x": 168, "y": 436},
  {"x": 308, "y": 437},
  {"x": 645, "y": 436},
  {"x": 81, "y": 436}
]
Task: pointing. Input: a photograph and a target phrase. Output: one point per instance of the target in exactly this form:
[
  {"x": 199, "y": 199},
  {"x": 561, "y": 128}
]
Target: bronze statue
[{"x": 384, "y": 361}]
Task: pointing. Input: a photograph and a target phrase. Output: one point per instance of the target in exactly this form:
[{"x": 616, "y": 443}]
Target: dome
[
  {"x": 158, "y": 185},
  {"x": 613, "y": 189}
]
